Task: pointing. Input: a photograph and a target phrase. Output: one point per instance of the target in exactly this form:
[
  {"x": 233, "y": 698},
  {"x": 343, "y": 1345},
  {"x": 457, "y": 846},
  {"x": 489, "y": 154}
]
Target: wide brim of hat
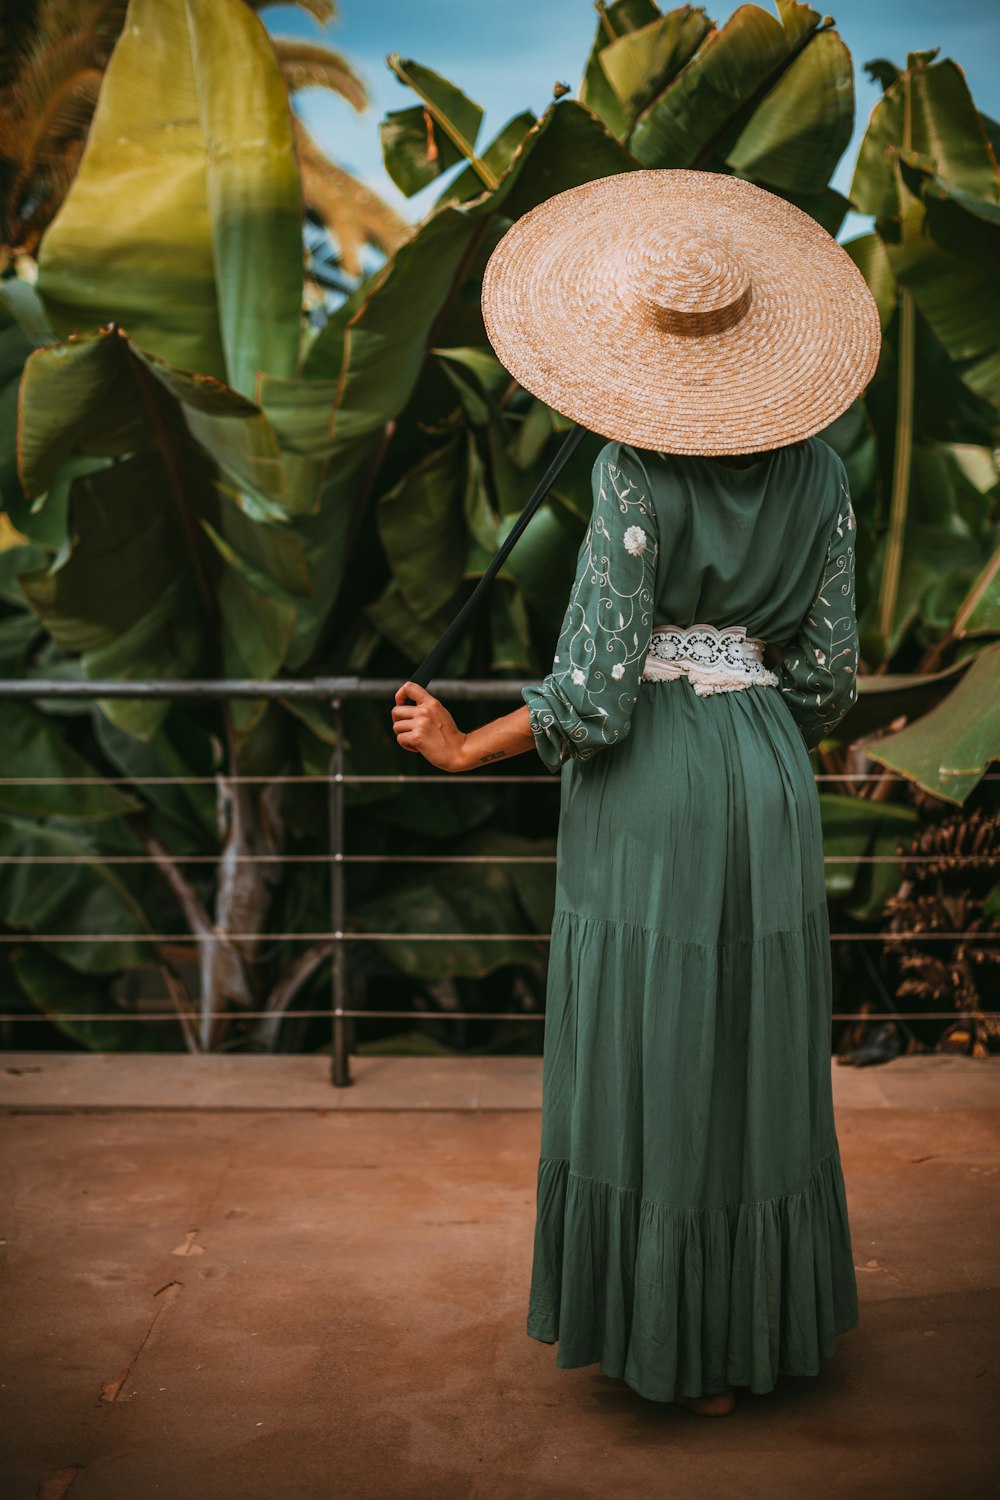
[{"x": 562, "y": 317}]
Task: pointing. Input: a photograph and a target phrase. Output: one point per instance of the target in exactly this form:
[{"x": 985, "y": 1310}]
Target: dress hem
[
  {"x": 691, "y": 1300},
  {"x": 708, "y": 1388}
]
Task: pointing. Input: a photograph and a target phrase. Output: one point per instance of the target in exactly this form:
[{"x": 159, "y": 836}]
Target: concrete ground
[{"x": 225, "y": 1280}]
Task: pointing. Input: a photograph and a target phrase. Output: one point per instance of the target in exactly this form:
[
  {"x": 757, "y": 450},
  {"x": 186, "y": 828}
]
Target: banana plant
[
  {"x": 176, "y": 492},
  {"x": 925, "y": 435}
]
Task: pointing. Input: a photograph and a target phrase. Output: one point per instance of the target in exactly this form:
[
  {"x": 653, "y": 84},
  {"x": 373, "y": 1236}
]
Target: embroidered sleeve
[
  {"x": 585, "y": 703},
  {"x": 818, "y": 672}
]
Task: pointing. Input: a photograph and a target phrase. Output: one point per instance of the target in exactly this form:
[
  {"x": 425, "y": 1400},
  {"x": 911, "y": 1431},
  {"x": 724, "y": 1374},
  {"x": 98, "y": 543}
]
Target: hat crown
[{"x": 688, "y": 281}]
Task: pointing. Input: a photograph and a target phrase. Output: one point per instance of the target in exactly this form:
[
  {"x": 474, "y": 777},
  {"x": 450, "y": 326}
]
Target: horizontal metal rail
[
  {"x": 432, "y": 859},
  {"x": 318, "y": 779},
  {"x": 470, "y": 1015},
  {"x": 181, "y": 938},
  {"x": 313, "y": 689}
]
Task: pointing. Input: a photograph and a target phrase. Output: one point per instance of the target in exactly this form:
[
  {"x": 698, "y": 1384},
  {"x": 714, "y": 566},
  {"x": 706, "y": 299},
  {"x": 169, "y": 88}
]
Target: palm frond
[
  {"x": 306, "y": 65},
  {"x": 352, "y": 213},
  {"x": 46, "y": 109},
  {"x": 324, "y": 11}
]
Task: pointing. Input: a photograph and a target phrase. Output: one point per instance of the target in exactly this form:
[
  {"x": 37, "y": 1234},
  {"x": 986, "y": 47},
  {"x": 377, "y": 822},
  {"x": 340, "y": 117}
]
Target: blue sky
[{"x": 507, "y": 56}]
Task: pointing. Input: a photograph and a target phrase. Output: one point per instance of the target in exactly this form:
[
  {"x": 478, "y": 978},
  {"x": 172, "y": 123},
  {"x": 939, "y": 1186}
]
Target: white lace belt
[{"x": 715, "y": 661}]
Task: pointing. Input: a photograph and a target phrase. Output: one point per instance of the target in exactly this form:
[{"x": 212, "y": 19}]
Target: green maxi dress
[{"x": 691, "y": 1228}]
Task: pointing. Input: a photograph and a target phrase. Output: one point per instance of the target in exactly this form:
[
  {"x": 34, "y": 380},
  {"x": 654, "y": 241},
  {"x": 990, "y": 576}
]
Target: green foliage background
[{"x": 198, "y": 483}]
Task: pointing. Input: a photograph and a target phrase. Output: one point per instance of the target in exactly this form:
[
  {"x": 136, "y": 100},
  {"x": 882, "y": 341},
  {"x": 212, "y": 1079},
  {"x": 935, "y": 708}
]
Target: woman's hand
[{"x": 426, "y": 726}]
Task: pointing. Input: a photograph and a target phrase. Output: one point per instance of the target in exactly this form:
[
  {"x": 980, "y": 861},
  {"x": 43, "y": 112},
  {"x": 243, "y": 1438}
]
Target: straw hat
[{"x": 683, "y": 312}]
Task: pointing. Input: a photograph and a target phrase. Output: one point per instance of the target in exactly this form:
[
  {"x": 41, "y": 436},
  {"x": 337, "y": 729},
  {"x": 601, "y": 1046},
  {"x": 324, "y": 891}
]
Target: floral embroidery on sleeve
[
  {"x": 585, "y": 702},
  {"x": 818, "y": 674}
]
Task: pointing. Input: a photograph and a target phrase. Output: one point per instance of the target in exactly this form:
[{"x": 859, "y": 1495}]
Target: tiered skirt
[{"x": 691, "y": 1228}]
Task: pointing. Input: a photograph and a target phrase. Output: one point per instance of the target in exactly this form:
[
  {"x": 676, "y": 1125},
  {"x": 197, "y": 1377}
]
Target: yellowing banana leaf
[{"x": 183, "y": 223}]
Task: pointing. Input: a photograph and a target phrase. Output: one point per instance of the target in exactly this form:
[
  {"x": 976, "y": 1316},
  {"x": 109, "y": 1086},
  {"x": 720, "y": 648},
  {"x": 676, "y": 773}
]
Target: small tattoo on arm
[{"x": 494, "y": 755}]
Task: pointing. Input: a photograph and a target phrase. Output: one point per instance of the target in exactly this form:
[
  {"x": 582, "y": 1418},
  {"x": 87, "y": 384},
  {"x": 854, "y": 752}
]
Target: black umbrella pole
[{"x": 431, "y": 665}]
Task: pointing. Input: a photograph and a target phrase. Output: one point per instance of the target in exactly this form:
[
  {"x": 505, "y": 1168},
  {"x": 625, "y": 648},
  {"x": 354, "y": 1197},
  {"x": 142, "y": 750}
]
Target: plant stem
[
  {"x": 903, "y": 454},
  {"x": 901, "y": 465}
]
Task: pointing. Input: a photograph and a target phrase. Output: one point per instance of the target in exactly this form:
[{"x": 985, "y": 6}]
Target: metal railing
[{"x": 335, "y": 691}]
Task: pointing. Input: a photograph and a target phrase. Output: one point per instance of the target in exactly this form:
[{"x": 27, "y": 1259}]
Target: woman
[{"x": 691, "y": 1231}]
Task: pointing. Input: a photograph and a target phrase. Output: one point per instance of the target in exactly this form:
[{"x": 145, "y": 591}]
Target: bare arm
[{"x": 426, "y": 726}]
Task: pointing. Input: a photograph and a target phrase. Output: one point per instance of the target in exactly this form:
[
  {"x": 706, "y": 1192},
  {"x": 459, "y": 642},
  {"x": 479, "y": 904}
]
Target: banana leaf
[
  {"x": 948, "y": 750},
  {"x": 192, "y": 139},
  {"x": 421, "y": 143}
]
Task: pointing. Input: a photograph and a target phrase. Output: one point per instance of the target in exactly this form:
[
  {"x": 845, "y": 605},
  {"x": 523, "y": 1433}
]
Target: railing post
[{"x": 340, "y": 1062}]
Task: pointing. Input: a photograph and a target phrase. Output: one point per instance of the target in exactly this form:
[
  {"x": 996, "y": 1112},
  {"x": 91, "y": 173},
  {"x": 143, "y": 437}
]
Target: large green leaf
[
  {"x": 852, "y": 826},
  {"x": 413, "y": 637},
  {"x": 91, "y": 396},
  {"x": 422, "y": 529},
  {"x": 615, "y": 20},
  {"x": 949, "y": 258},
  {"x": 871, "y": 258},
  {"x": 325, "y": 536},
  {"x": 948, "y": 750},
  {"x": 639, "y": 64},
  {"x": 929, "y": 110},
  {"x": 166, "y": 563},
  {"x": 124, "y": 598},
  {"x": 23, "y": 328},
  {"x": 801, "y": 128},
  {"x": 544, "y": 560},
  {"x": 188, "y": 188},
  {"x": 84, "y": 899},
  {"x": 694, "y": 122},
  {"x": 66, "y": 996},
  {"x": 31, "y": 746},
  {"x": 184, "y": 814},
  {"x": 458, "y": 899}
]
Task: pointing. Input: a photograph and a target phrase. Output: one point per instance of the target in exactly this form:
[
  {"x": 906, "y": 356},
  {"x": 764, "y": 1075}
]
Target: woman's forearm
[
  {"x": 497, "y": 740},
  {"x": 423, "y": 724}
]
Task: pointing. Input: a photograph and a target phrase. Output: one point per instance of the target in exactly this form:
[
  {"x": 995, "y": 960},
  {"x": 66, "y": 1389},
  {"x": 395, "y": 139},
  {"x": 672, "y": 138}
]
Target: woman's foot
[{"x": 709, "y": 1406}]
